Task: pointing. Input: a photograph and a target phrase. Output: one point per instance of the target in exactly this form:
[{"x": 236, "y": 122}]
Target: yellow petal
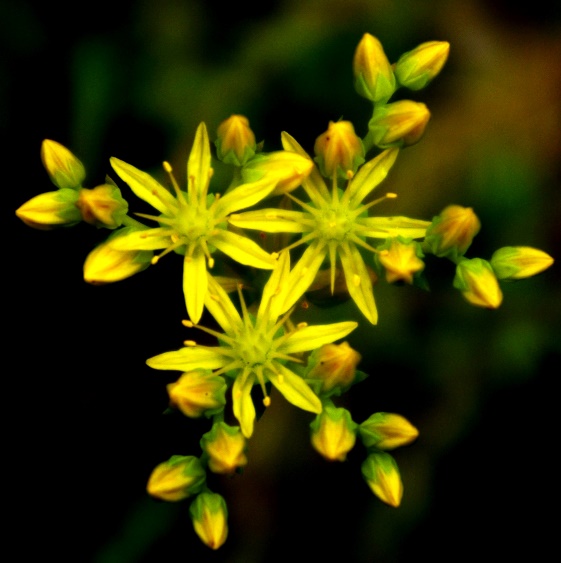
[
  {"x": 189, "y": 358},
  {"x": 312, "y": 337},
  {"x": 195, "y": 285},
  {"x": 198, "y": 165},
  {"x": 243, "y": 407},
  {"x": 243, "y": 250},
  {"x": 295, "y": 390}
]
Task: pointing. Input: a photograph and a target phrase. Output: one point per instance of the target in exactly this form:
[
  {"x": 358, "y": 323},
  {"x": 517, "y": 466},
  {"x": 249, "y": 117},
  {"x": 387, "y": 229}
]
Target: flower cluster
[{"x": 326, "y": 242}]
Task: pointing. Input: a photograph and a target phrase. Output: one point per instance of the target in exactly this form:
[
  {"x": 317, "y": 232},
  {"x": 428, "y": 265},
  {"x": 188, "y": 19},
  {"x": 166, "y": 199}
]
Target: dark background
[{"x": 84, "y": 423}]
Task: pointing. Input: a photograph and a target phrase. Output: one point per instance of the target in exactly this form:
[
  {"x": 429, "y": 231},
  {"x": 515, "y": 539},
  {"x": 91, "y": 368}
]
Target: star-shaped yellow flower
[
  {"x": 194, "y": 222},
  {"x": 336, "y": 223},
  {"x": 256, "y": 349}
]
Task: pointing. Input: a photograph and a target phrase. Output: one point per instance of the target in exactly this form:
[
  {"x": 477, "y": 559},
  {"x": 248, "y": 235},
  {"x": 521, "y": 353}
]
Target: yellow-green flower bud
[
  {"x": 401, "y": 259},
  {"x": 105, "y": 264},
  {"x": 518, "y": 262},
  {"x": 333, "y": 433},
  {"x": 476, "y": 280},
  {"x": 235, "y": 143},
  {"x": 287, "y": 169},
  {"x": 451, "y": 233},
  {"x": 177, "y": 478},
  {"x": 387, "y": 431},
  {"x": 399, "y": 124},
  {"x": 334, "y": 365},
  {"x": 64, "y": 169},
  {"x": 102, "y": 206},
  {"x": 225, "y": 446},
  {"x": 416, "y": 68},
  {"x": 198, "y": 392},
  {"x": 339, "y": 150},
  {"x": 381, "y": 473},
  {"x": 374, "y": 78},
  {"x": 209, "y": 515},
  {"x": 51, "y": 209}
]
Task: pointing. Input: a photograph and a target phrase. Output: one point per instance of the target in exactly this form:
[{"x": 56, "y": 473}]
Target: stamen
[
  {"x": 170, "y": 248},
  {"x": 177, "y": 189},
  {"x": 307, "y": 207},
  {"x": 245, "y": 313},
  {"x": 334, "y": 190},
  {"x": 158, "y": 218},
  {"x": 358, "y": 241},
  {"x": 333, "y": 264},
  {"x": 220, "y": 335},
  {"x": 304, "y": 239},
  {"x": 364, "y": 207},
  {"x": 261, "y": 379}
]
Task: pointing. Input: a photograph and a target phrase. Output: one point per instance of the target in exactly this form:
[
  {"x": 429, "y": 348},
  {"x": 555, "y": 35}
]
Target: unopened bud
[
  {"x": 382, "y": 475},
  {"x": 106, "y": 264},
  {"x": 333, "y": 433},
  {"x": 398, "y": 124},
  {"x": 102, "y": 206},
  {"x": 287, "y": 169},
  {"x": 374, "y": 78},
  {"x": 401, "y": 259},
  {"x": 451, "y": 233},
  {"x": 416, "y": 68},
  {"x": 225, "y": 446},
  {"x": 198, "y": 393},
  {"x": 339, "y": 150},
  {"x": 209, "y": 515},
  {"x": 518, "y": 262},
  {"x": 64, "y": 169},
  {"x": 177, "y": 478},
  {"x": 51, "y": 209},
  {"x": 387, "y": 431},
  {"x": 476, "y": 280},
  {"x": 235, "y": 143},
  {"x": 334, "y": 365}
]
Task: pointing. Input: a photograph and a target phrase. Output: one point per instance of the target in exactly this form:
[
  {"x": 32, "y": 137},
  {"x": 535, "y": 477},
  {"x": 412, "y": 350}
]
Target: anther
[
  {"x": 190, "y": 343},
  {"x": 187, "y": 323},
  {"x": 267, "y": 401}
]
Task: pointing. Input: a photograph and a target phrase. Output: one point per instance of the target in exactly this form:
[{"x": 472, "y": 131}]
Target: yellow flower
[
  {"x": 256, "y": 350},
  {"x": 193, "y": 223},
  {"x": 209, "y": 515},
  {"x": 335, "y": 224},
  {"x": 400, "y": 258}
]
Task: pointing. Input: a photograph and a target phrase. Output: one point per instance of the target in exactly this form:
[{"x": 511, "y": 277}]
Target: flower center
[
  {"x": 253, "y": 347},
  {"x": 334, "y": 223},
  {"x": 193, "y": 223}
]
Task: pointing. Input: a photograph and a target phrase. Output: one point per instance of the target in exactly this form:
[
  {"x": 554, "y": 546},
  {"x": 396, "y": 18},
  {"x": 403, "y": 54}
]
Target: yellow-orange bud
[
  {"x": 209, "y": 515},
  {"x": 452, "y": 232},
  {"x": 235, "y": 143},
  {"x": 416, "y": 68},
  {"x": 518, "y": 262},
  {"x": 64, "y": 169},
  {"x": 476, "y": 280},
  {"x": 339, "y": 149},
  {"x": 51, "y": 209},
  {"x": 225, "y": 446},
  {"x": 102, "y": 206},
  {"x": 387, "y": 431},
  {"x": 401, "y": 260},
  {"x": 333, "y": 433},
  {"x": 398, "y": 124},
  {"x": 381, "y": 473},
  {"x": 198, "y": 392},
  {"x": 334, "y": 365},
  {"x": 374, "y": 78},
  {"x": 177, "y": 478}
]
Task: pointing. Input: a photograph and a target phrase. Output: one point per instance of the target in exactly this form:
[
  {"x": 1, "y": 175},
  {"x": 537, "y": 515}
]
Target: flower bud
[
  {"x": 177, "y": 478},
  {"x": 51, "y": 209},
  {"x": 334, "y": 365},
  {"x": 198, "y": 392},
  {"x": 286, "y": 168},
  {"x": 235, "y": 143},
  {"x": 209, "y": 515},
  {"x": 401, "y": 259},
  {"x": 518, "y": 262},
  {"x": 374, "y": 78},
  {"x": 333, "y": 433},
  {"x": 451, "y": 233},
  {"x": 64, "y": 169},
  {"x": 105, "y": 264},
  {"x": 398, "y": 124},
  {"x": 381, "y": 473},
  {"x": 225, "y": 446},
  {"x": 102, "y": 206},
  {"x": 476, "y": 280},
  {"x": 387, "y": 431},
  {"x": 339, "y": 149},
  {"x": 416, "y": 68}
]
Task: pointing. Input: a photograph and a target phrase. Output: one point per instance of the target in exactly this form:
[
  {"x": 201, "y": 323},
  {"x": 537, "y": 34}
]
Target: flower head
[
  {"x": 256, "y": 350},
  {"x": 335, "y": 224},
  {"x": 194, "y": 223}
]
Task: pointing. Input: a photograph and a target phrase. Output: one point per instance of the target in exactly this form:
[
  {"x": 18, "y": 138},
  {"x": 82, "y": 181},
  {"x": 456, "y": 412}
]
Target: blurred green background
[{"x": 84, "y": 419}]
